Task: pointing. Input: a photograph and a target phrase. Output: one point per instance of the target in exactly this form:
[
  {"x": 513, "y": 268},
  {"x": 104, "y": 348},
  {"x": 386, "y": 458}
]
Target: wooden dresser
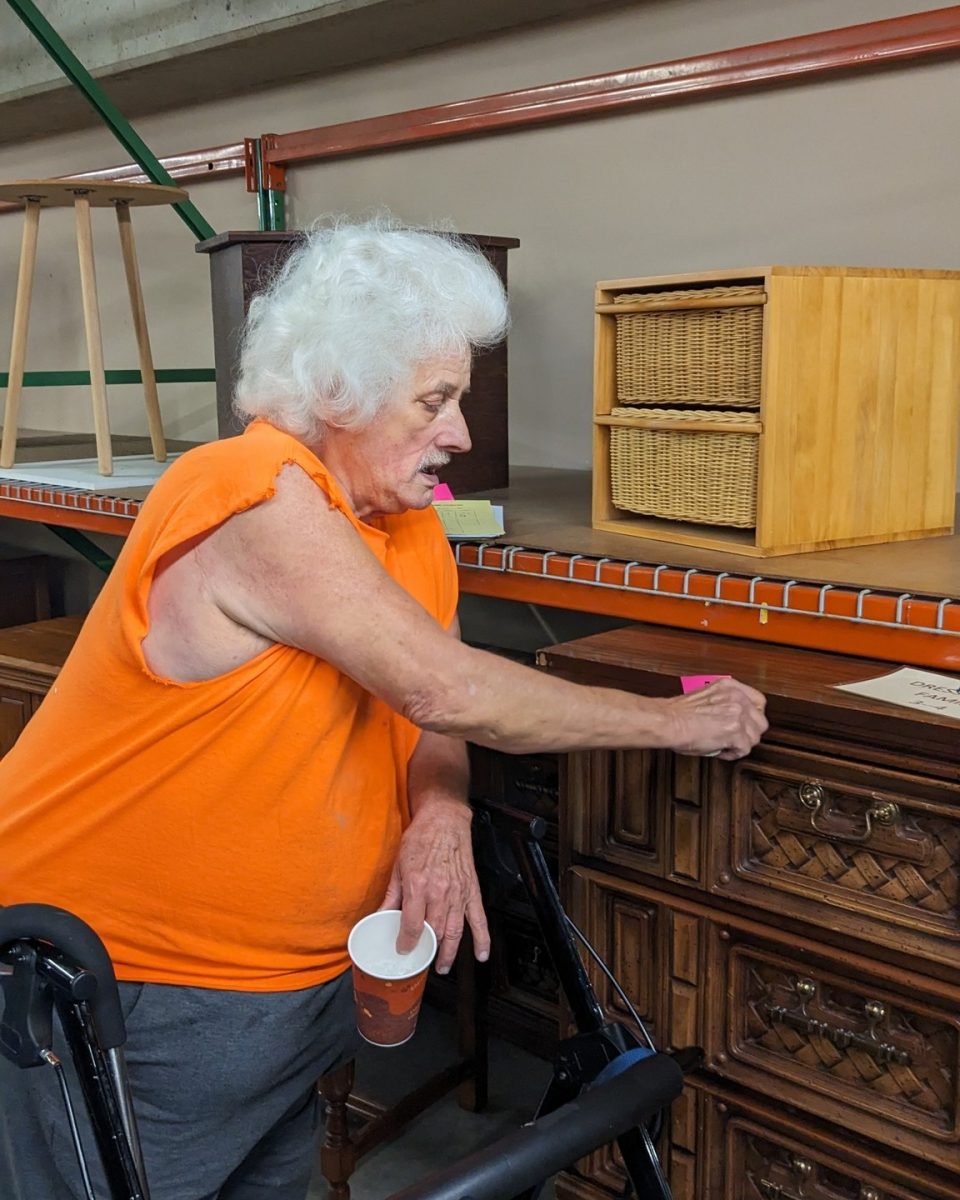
[
  {"x": 794, "y": 913},
  {"x": 30, "y": 659}
]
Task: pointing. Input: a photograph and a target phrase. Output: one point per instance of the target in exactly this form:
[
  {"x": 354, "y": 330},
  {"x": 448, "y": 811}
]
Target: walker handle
[
  {"x": 534, "y": 1153},
  {"x": 74, "y": 938}
]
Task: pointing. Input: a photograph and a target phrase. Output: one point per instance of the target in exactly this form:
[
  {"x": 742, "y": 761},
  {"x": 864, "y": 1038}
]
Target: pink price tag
[
  {"x": 442, "y": 492},
  {"x": 693, "y": 683}
]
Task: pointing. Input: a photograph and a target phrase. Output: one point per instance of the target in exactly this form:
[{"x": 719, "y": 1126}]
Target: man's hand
[
  {"x": 434, "y": 879},
  {"x": 726, "y": 718}
]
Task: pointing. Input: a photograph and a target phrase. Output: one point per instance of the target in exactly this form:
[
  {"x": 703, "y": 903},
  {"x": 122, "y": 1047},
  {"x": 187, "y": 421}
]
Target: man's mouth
[{"x": 428, "y": 471}]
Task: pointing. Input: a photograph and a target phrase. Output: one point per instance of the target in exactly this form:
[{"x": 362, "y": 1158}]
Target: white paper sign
[{"x": 914, "y": 689}]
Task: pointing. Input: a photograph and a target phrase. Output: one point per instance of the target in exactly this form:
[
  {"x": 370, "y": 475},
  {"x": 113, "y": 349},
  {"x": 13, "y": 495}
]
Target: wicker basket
[
  {"x": 681, "y": 474},
  {"x": 691, "y": 355}
]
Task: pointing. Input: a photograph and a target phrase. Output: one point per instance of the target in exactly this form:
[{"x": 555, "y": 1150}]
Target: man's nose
[{"x": 456, "y": 435}]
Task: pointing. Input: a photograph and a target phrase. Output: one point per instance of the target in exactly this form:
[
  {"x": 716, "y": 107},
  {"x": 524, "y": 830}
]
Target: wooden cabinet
[
  {"x": 25, "y": 589},
  {"x": 241, "y": 263},
  {"x": 796, "y": 913},
  {"x": 731, "y": 408},
  {"x": 30, "y": 658}
]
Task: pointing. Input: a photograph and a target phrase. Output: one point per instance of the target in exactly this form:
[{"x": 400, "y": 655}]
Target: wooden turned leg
[
  {"x": 21, "y": 321},
  {"x": 91, "y": 322},
  {"x": 150, "y": 398},
  {"x": 338, "y": 1156}
]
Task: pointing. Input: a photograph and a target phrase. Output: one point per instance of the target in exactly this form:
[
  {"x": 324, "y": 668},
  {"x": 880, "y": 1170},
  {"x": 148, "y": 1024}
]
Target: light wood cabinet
[
  {"x": 796, "y": 913},
  {"x": 777, "y": 409}
]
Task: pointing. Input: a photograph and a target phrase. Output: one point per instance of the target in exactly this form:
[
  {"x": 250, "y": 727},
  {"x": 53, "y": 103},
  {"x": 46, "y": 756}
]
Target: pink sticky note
[
  {"x": 442, "y": 492},
  {"x": 693, "y": 683}
]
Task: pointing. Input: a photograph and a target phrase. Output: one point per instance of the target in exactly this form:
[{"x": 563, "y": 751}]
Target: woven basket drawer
[
  {"x": 684, "y": 474},
  {"x": 705, "y": 356}
]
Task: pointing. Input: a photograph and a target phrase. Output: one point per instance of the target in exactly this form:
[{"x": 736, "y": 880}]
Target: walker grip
[{"x": 68, "y": 935}]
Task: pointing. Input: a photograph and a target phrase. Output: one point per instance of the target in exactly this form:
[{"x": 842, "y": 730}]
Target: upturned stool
[{"x": 84, "y": 194}]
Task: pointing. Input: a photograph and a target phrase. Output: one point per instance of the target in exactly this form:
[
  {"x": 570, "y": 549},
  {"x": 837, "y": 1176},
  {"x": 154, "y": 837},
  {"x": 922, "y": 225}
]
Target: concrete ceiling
[{"x": 153, "y": 55}]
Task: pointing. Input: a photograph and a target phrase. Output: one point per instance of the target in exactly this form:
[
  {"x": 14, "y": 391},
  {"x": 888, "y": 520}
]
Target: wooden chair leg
[
  {"x": 91, "y": 322},
  {"x": 21, "y": 321},
  {"x": 151, "y": 399},
  {"x": 338, "y": 1156}
]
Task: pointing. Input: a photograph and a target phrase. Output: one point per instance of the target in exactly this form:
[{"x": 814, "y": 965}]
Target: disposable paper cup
[{"x": 387, "y": 986}]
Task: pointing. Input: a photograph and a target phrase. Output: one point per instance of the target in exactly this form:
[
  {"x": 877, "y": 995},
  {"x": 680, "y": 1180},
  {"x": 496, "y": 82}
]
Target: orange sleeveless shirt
[{"x": 225, "y": 833}]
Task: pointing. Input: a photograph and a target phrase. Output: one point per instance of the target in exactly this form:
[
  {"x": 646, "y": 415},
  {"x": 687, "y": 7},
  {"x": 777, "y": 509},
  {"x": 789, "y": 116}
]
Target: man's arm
[{"x": 294, "y": 570}]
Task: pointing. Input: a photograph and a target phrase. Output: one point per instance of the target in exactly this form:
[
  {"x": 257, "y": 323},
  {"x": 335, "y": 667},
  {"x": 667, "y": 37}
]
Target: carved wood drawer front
[
  {"x": 625, "y": 924},
  {"x": 832, "y": 1036},
  {"x": 527, "y": 782},
  {"x": 869, "y": 1048},
  {"x": 524, "y": 970},
  {"x": 764, "y": 1165},
  {"x": 869, "y": 852},
  {"x": 640, "y": 810}
]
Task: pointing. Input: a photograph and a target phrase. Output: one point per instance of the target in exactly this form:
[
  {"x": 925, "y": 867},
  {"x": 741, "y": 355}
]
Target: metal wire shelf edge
[
  {"x": 509, "y": 552},
  {"x": 109, "y": 503}
]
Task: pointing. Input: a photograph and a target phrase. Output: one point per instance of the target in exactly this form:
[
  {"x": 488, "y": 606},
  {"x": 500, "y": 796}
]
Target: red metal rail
[
  {"x": 853, "y": 48},
  {"x": 869, "y": 46}
]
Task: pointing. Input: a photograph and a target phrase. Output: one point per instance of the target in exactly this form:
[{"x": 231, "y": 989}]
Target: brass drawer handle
[
  {"x": 773, "y": 1191},
  {"x": 800, "y": 1020},
  {"x": 802, "y": 1167},
  {"x": 813, "y": 796}
]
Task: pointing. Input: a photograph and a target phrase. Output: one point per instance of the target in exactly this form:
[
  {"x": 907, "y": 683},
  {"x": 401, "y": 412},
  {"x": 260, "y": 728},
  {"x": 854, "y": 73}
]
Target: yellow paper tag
[{"x": 469, "y": 518}]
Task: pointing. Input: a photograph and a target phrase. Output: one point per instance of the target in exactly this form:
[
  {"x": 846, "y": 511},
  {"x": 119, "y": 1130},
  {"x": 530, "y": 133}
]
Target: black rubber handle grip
[
  {"x": 534, "y": 1153},
  {"x": 74, "y": 938}
]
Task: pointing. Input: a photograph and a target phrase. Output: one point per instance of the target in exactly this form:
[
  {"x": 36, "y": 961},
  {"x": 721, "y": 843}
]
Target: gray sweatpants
[{"x": 224, "y": 1089}]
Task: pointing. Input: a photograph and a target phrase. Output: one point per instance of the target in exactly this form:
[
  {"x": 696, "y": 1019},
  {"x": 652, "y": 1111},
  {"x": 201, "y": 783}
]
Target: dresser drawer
[
  {"x": 870, "y": 1048},
  {"x": 763, "y": 1166},
  {"x": 640, "y": 810},
  {"x": 721, "y": 1144},
  {"x": 16, "y": 708},
  {"x": 868, "y": 852},
  {"x": 830, "y": 1035},
  {"x": 751, "y": 1152},
  {"x": 528, "y": 783}
]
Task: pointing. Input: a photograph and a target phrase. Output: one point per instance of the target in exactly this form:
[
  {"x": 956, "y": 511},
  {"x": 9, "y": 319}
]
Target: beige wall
[{"x": 856, "y": 171}]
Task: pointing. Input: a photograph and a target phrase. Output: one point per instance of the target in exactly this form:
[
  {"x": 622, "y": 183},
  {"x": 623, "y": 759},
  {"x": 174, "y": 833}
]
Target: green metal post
[
  {"x": 83, "y": 545},
  {"x": 118, "y": 125},
  {"x": 270, "y": 204},
  {"x": 32, "y": 379}
]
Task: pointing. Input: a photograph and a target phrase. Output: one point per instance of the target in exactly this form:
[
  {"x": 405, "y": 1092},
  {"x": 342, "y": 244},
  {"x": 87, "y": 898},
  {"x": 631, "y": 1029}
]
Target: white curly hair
[{"x": 352, "y": 314}]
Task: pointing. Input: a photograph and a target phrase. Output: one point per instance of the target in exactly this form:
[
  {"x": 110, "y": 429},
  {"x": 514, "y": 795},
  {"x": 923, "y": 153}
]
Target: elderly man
[{"x": 259, "y": 736}]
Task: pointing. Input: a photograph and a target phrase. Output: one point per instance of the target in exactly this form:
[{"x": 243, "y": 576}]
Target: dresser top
[
  {"x": 41, "y": 647},
  {"x": 798, "y": 684}
]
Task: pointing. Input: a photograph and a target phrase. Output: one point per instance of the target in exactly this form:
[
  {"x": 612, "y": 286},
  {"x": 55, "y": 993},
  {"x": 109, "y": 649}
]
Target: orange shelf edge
[{"x": 858, "y": 623}]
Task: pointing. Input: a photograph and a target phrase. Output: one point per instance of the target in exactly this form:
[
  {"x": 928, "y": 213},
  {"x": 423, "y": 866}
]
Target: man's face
[{"x": 391, "y": 465}]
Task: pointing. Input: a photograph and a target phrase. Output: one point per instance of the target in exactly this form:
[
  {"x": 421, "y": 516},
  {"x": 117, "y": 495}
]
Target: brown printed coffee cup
[{"x": 387, "y": 986}]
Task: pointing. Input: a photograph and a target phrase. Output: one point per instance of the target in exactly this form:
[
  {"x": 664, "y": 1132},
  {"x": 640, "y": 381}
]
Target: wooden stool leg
[
  {"x": 91, "y": 321},
  {"x": 150, "y": 398},
  {"x": 21, "y": 321},
  {"x": 338, "y": 1156}
]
